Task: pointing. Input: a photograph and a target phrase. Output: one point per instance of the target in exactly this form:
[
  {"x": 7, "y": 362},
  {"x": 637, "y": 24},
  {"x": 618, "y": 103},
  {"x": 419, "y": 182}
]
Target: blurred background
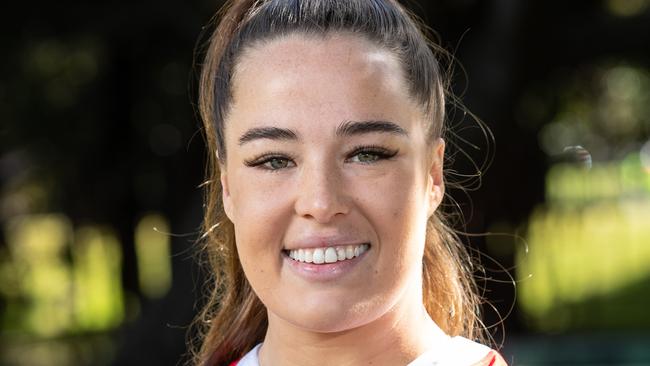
[{"x": 101, "y": 157}]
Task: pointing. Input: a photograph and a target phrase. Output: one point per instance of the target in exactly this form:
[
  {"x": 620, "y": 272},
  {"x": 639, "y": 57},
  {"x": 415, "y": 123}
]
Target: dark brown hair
[{"x": 234, "y": 319}]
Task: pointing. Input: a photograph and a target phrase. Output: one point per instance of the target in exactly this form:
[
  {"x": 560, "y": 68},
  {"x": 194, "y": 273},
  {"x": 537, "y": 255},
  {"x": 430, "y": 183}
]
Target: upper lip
[{"x": 321, "y": 241}]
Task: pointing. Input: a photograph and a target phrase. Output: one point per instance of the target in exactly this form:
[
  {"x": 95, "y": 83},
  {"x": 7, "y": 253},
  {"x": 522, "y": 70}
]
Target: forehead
[
  {"x": 330, "y": 79},
  {"x": 297, "y": 51}
]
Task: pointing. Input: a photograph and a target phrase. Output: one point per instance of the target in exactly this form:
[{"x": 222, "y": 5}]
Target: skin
[{"x": 320, "y": 184}]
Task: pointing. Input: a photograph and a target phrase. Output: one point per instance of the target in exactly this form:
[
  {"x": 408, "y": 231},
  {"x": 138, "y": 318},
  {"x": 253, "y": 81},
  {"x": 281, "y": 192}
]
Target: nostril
[{"x": 320, "y": 195}]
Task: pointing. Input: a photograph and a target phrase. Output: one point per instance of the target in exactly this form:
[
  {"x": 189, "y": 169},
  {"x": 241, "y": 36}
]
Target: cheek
[
  {"x": 398, "y": 196},
  {"x": 396, "y": 207},
  {"x": 257, "y": 199},
  {"x": 260, "y": 218}
]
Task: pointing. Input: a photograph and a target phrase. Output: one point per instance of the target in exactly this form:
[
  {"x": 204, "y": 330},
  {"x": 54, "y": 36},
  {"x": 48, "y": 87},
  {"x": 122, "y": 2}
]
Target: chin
[
  {"x": 332, "y": 315},
  {"x": 326, "y": 323}
]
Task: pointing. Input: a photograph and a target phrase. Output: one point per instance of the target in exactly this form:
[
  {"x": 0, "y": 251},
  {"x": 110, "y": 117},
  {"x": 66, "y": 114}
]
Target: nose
[{"x": 321, "y": 194}]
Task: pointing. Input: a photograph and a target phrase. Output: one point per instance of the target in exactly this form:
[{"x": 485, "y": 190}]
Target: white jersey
[{"x": 451, "y": 351}]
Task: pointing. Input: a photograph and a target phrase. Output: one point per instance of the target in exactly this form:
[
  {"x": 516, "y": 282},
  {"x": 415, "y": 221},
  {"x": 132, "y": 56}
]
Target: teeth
[
  {"x": 340, "y": 253},
  {"x": 349, "y": 252},
  {"x": 328, "y": 254},
  {"x": 319, "y": 256}
]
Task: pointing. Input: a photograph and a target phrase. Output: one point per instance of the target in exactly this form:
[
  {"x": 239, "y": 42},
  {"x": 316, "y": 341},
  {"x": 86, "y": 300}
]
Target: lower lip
[{"x": 325, "y": 271}]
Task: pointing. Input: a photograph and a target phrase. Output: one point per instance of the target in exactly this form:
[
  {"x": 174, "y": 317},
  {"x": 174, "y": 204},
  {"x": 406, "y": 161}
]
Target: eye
[
  {"x": 370, "y": 154},
  {"x": 367, "y": 157},
  {"x": 276, "y": 163},
  {"x": 270, "y": 162}
]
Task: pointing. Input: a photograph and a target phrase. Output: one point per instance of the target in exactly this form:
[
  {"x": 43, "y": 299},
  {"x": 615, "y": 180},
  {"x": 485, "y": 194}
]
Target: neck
[{"x": 395, "y": 338}]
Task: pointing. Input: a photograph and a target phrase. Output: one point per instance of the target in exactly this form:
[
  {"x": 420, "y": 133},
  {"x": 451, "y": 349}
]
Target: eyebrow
[
  {"x": 272, "y": 133},
  {"x": 347, "y": 128}
]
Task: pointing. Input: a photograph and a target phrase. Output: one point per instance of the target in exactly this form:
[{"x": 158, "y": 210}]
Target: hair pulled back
[{"x": 234, "y": 320}]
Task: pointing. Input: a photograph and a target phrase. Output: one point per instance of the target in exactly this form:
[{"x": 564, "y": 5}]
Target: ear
[
  {"x": 225, "y": 192},
  {"x": 436, "y": 186}
]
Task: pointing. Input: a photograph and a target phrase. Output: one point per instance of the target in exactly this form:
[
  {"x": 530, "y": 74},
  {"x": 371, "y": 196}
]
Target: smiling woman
[{"x": 324, "y": 122}]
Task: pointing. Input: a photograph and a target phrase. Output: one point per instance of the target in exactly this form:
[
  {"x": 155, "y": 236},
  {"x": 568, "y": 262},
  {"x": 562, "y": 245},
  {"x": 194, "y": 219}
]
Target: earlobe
[{"x": 436, "y": 180}]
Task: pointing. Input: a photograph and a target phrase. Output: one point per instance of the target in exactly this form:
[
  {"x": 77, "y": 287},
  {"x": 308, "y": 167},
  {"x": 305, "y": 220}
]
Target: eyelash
[
  {"x": 381, "y": 152},
  {"x": 260, "y": 161}
]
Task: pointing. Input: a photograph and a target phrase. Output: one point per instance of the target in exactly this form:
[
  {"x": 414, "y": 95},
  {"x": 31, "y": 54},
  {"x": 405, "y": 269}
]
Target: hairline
[{"x": 309, "y": 34}]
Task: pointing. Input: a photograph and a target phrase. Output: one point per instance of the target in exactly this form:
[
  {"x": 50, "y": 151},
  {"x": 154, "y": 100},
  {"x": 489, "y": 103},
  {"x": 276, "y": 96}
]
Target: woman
[{"x": 324, "y": 122}]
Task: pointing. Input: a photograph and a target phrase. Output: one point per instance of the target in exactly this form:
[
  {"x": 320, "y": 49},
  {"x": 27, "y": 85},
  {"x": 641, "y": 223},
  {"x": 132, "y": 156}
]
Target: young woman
[{"x": 324, "y": 122}]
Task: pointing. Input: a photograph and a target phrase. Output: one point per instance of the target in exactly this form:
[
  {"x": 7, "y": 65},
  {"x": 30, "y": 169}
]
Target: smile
[{"x": 328, "y": 254}]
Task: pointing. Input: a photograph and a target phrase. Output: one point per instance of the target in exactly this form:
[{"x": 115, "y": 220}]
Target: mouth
[{"x": 326, "y": 255}]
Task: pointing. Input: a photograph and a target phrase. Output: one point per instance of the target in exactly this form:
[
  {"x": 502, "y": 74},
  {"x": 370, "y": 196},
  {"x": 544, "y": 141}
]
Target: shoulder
[
  {"x": 472, "y": 353},
  {"x": 492, "y": 359},
  {"x": 457, "y": 351},
  {"x": 249, "y": 359}
]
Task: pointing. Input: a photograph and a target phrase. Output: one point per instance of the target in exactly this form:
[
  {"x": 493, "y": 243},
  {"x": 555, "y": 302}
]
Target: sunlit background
[{"x": 101, "y": 158}]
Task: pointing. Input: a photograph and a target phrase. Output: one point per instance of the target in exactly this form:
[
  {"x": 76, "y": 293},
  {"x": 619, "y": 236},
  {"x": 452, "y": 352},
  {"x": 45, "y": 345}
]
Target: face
[{"x": 329, "y": 180}]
